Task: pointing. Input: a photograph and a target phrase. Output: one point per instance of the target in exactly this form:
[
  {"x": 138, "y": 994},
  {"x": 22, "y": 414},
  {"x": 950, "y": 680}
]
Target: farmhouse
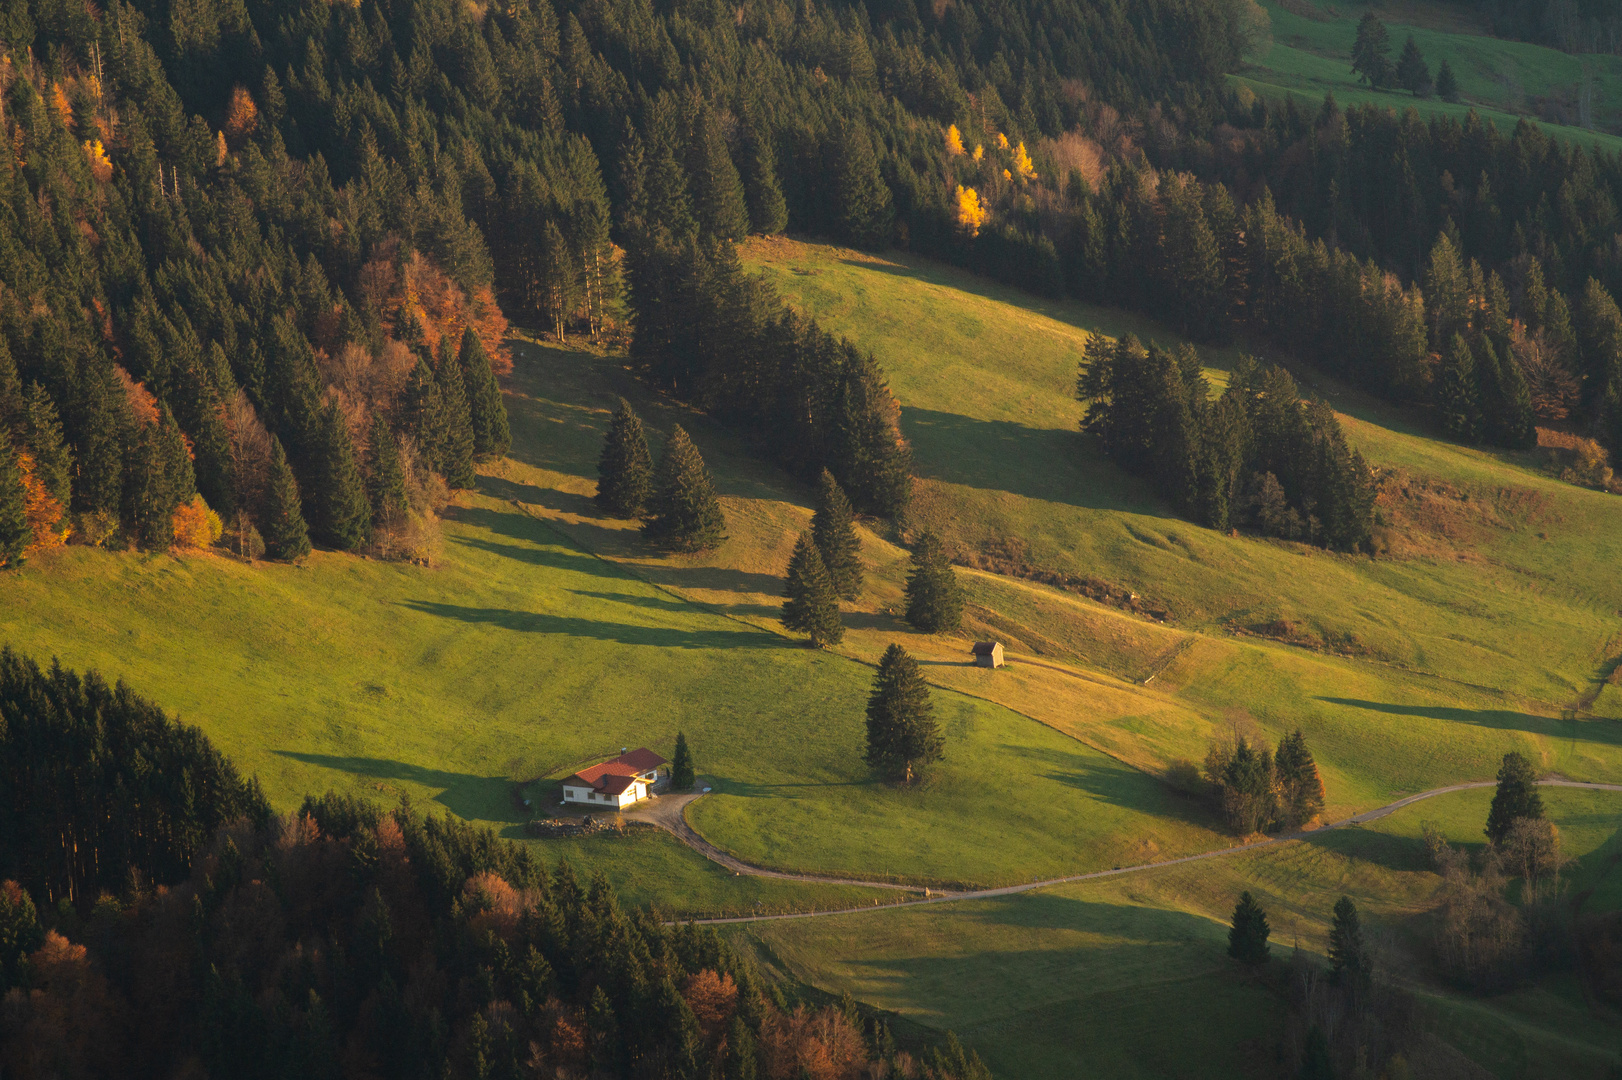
[
  {"x": 617, "y": 783},
  {"x": 988, "y": 654}
]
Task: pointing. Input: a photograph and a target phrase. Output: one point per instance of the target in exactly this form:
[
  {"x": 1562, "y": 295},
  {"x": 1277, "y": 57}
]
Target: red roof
[{"x": 615, "y": 776}]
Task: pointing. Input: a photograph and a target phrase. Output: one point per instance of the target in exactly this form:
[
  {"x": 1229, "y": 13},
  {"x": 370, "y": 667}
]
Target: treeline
[
  {"x": 1257, "y": 456},
  {"x": 155, "y": 917},
  {"x": 1577, "y": 26}
]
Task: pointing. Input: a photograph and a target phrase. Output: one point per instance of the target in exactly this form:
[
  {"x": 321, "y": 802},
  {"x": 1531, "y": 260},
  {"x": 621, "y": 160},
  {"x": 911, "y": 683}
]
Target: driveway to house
[{"x": 669, "y": 813}]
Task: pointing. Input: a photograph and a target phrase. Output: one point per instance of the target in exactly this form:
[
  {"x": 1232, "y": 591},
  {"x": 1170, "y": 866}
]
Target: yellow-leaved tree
[
  {"x": 44, "y": 513},
  {"x": 1023, "y": 167},
  {"x": 100, "y": 167},
  {"x": 979, "y": 152},
  {"x": 195, "y": 525},
  {"x": 954, "y": 141},
  {"x": 970, "y": 214},
  {"x": 1002, "y": 141}
]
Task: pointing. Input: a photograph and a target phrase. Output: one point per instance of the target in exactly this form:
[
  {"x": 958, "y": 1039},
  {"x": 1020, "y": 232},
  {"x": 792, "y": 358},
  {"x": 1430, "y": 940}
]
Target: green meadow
[{"x": 1502, "y": 80}]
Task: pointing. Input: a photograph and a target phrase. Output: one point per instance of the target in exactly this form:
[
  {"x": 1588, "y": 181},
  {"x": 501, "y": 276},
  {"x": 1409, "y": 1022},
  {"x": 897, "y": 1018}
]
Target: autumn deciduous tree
[
  {"x": 241, "y": 116},
  {"x": 970, "y": 213}
]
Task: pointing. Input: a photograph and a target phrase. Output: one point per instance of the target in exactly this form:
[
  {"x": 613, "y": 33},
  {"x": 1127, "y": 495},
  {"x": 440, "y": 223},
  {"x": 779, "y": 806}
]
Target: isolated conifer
[
  {"x": 625, "y": 470},
  {"x": 1301, "y": 788},
  {"x": 1371, "y": 61},
  {"x": 1247, "y": 938},
  {"x": 683, "y": 513},
  {"x": 1447, "y": 84},
  {"x": 1413, "y": 74},
  {"x": 42, "y": 434},
  {"x": 901, "y": 729},
  {"x": 813, "y": 604},
  {"x": 385, "y": 486},
  {"x": 833, "y": 526},
  {"x": 455, "y": 440},
  {"x": 15, "y": 533},
  {"x": 682, "y": 776},
  {"x": 486, "y": 412},
  {"x": 341, "y": 515},
  {"x": 1348, "y": 959},
  {"x": 1516, "y": 798},
  {"x": 934, "y": 601},
  {"x": 1458, "y": 393},
  {"x": 286, "y": 537}
]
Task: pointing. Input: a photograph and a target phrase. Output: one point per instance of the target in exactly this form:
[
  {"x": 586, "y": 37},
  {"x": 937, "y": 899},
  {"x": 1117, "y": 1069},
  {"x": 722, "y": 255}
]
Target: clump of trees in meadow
[
  {"x": 1254, "y": 788},
  {"x": 1258, "y": 455}
]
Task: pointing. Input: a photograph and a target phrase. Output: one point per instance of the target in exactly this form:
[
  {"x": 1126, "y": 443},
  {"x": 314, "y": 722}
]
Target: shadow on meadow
[
  {"x": 1605, "y": 732},
  {"x": 472, "y": 798},
  {"x": 535, "y": 622},
  {"x": 1108, "y": 780}
]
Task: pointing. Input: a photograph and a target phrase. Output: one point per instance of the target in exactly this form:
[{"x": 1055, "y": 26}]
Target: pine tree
[
  {"x": 1516, "y": 798},
  {"x": 486, "y": 411},
  {"x": 1599, "y": 338},
  {"x": 1348, "y": 959},
  {"x": 15, "y": 533},
  {"x": 741, "y": 1055},
  {"x": 718, "y": 198},
  {"x": 862, "y": 212},
  {"x": 341, "y": 516},
  {"x": 682, "y": 776},
  {"x": 1371, "y": 61},
  {"x": 385, "y": 484},
  {"x": 833, "y": 525},
  {"x": 813, "y": 604},
  {"x": 12, "y": 408},
  {"x": 42, "y": 435},
  {"x": 157, "y": 478},
  {"x": 1413, "y": 74},
  {"x": 934, "y": 601},
  {"x": 1447, "y": 84},
  {"x": 1247, "y": 937},
  {"x": 768, "y": 211},
  {"x": 423, "y": 414},
  {"x": 683, "y": 513},
  {"x": 1506, "y": 400},
  {"x": 1458, "y": 393},
  {"x": 866, "y": 446},
  {"x": 455, "y": 436},
  {"x": 625, "y": 469},
  {"x": 1302, "y": 788},
  {"x": 901, "y": 729},
  {"x": 286, "y": 537}
]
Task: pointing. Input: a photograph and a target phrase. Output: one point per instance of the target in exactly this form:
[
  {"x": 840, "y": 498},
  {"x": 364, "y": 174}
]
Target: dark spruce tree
[
  {"x": 934, "y": 601},
  {"x": 682, "y": 776},
  {"x": 157, "y": 479},
  {"x": 42, "y": 435},
  {"x": 343, "y": 515},
  {"x": 683, "y": 513},
  {"x": 385, "y": 483},
  {"x": 862, "y": 212},
  {"x": 768, "y": 211},
  {"x": 625, "y": 470},
  {"x": 1371, "y": 59},
  {"x": 833, "y": 526},
  {"x": 282, "y": 520},
  {"x": 11, "y": 391},
  {"x": 1301, "y": 789},
  {"x": 1247, "y": 937},
  {"x": 812, "y": 606},
  {"x": 487, "y": 413},
  {"x": 1516, "y": 798},
  {"x": 15, "y": 533},
  {"x": 718, "y": 195},
  {"x": 1447, "y": 84},
  {"x": 455, "y": 436},
  {"x": 1413, "y": 74},
  {"x": 1348, "y": 957},
  {"x": 902, "y": 734},
  {"x": 423, "y": 415},
  {"x": 1458, "y": 391}
]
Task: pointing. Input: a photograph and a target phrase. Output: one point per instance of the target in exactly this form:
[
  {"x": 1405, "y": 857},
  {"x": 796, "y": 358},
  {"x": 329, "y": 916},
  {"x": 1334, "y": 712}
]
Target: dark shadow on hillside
[
  {"x": 1605, "y": 732},
  {"x": 531, "y": 622},
  {"x": 657, "y": 603},
  {"x": 1105, "y": 778},
  {"x": 1403, "y": 854},
  {"x": 1036, "y": 463},
  {"x": 463, "y": 794}
]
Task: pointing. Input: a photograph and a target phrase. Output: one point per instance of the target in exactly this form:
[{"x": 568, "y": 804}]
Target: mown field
[{"x": 1502, "y": 80}]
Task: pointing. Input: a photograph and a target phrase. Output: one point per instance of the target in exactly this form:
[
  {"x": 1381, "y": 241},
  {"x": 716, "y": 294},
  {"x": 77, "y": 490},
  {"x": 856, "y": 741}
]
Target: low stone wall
[{"x": 552, "y": 828}]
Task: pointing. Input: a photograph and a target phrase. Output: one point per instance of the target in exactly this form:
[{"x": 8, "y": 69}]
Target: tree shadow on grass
[
  {"x": 1112, "y": 781},
  {"x": 1403, "y": 854},
  {"x": 474, "y": 798},
  {"x": 1604, "y": 732},
  {"x": 535, "y": 622}
]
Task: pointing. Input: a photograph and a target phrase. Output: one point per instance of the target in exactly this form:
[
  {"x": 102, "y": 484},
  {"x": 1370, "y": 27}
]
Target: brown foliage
[
  {"x": 44, "y": 513},
  {"x": 241, "y": 116},
  {"x": 713, "y": 999},
  {"x": 821, "y": 1045},
  {"x": 195, "y": 525},
  {"x": 443, "y": 309},
  {"x": 142, "y": 404},
  {"x": 42, "y": 1030}
]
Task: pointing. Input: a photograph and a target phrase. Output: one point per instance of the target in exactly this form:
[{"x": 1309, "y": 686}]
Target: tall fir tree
[
  {"x": 1301, "y": 792},
  {"x": 12, "y": 408},
  {"x": 1506, "y": 400},
  {"x": 385, "y": 483},
  {"x": 768, "y": 210},
  {"x": 1447, "y": 84},
  {"x": 282, "y": 519},
  {"x": 902, "y": 734},
  {"x": 1413, "y": 74},
  {"x": 1247, "y": 935},
  {"x": 1599, "y": 342},
  {"x": 424, "y": 414},
  {"x": 866, "y": 446},
  {"x": 683, "y": 513},
  {"x": 934, "y": 600},
  {"x": 682, "y": 775},
  {"x": 157, "y": 478},
  {"x": 1371, "y": 60},
  {"x": 625, "y": 469},
  {"x": 833, "y": 525},
  {"x": 487, "y": 414},
  {"x": 812, "y": 606},
  {"x": 1516, "y": 798},
  {"x": 1459, "y": 393},
  {"x": 1348, "y": 956},
  {"x": 456, "y": 430},
  {"x": 342, "y": 516},
  {"x": 718, "y": 195},
  {"x": 15, "y": 532},
  {"x": 862, "y": 212},
  {"x": 42, "y": 435}
]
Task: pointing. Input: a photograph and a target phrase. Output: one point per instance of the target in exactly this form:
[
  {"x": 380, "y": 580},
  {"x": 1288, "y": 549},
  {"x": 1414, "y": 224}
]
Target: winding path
[{"x": 668, "y": 812}]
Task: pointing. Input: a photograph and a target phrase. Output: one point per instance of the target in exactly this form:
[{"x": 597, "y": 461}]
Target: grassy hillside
[
  {"x": 1502, "y": 80},
  {"x": 1129, "y": 978}
]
